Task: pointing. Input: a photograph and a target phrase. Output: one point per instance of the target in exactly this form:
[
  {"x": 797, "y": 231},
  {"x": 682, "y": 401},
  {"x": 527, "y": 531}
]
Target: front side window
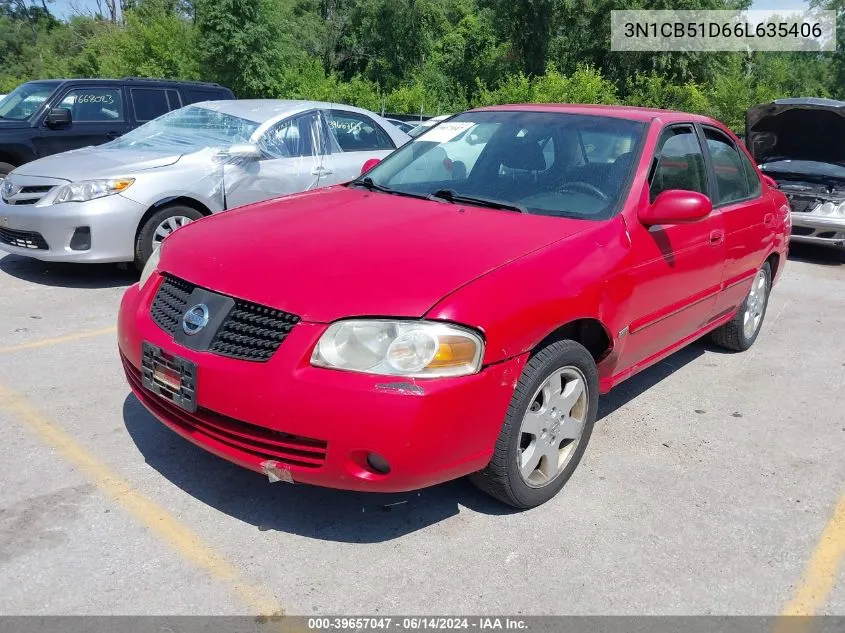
[
  {"x": 149, "y": 103},
  {"x": 356, "y": 132},
  {"x": 533, "y": 160},
  {"x": 292, "y": 138},
  {"x": 679, "y": 164},
  {"x": 733, "y": 176},
  {"x": 94, "y": 105},
  {"x": 24, "y": 101}
]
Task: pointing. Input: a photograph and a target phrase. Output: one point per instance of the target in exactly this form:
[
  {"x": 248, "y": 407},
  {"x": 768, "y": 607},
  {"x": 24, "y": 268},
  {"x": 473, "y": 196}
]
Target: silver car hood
[{"x": 97, "y": 162}]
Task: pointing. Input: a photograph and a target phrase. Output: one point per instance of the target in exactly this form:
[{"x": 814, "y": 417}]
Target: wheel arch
[
  {"x": 171, "y": 201},
  {"x": 589, "y": 332}
]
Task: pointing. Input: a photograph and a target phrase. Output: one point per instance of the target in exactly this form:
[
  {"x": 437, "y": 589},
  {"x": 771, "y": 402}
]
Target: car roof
[
  {"x": 127, "y": 80},
  {"x": 633, "y": 113},
  {"x": 260, "y": 110}
]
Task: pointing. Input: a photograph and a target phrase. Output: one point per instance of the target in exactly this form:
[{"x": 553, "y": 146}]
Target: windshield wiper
[
  {"x": 450, "y": 195},
  {"x": 368, "y": 183}
]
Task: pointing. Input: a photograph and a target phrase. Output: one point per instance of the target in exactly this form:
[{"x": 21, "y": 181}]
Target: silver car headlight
[
  {"x": 415, "y": 349},
  {"x": 150, "y": 267},
  {"x": 85, "y": 190}
]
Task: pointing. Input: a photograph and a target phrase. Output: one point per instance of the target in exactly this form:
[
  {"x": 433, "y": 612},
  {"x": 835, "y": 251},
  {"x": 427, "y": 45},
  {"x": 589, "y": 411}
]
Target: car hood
[
  {"x": 805, "y": 169},
  {"x": 342, "y": 252},
  {"x": 97, "y": 162},
  {"x": 802, "y": 129}
]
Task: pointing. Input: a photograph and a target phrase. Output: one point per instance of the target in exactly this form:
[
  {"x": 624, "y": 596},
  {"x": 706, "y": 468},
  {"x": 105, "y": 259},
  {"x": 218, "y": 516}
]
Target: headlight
[
  {"x": 840, "y": 210},
  {"x": 150, "y": 267},
  {"x": 417, "y": 349},
  {"x": 85, "y": 190}
]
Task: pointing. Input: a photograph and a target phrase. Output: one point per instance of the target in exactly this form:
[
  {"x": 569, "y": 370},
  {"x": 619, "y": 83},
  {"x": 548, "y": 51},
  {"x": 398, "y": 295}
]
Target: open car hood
[{"x": 800, "y": 129}]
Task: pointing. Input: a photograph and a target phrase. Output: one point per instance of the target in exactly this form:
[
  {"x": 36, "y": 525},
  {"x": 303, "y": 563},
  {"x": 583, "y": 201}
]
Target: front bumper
[
  {"x": 112, "y": 221},
  {"x": 813, "y": 229},
  {"x": 319, "y": 425}
]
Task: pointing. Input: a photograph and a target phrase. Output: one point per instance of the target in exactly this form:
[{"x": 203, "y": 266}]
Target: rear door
[
  {"x": 354, "y": 138},
  {"x": 99, "y": 114},
  {"x": 676, "y": 270},
  {"x": 747, "y": 214},
  {"x": 293, "y": 152}
]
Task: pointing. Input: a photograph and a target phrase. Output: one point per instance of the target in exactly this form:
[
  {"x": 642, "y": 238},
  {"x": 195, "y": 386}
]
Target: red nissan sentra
[{"x": 459, "y": 308}]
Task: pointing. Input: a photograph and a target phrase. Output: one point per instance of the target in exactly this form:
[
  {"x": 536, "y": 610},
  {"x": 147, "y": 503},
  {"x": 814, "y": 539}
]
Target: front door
[
  {"x": 676, "y": 270},
  {"x": 98, "y": 115},
  {"x": 293, "y": 158}
]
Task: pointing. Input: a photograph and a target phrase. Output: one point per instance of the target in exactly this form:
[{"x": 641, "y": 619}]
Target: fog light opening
[
  {"x": 81, "y": 240},
  {"x": 378, "y": 463}
]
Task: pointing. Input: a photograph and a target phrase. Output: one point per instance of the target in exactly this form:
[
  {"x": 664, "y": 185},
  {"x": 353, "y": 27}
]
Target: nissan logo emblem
[{"x": 195, "y": 319}]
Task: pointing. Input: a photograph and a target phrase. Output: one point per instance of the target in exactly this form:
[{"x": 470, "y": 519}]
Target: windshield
[
  {"x": 556, "y": 164},
  {"x": 188, "y": 129},
  {"x": 24, "y": 101}
]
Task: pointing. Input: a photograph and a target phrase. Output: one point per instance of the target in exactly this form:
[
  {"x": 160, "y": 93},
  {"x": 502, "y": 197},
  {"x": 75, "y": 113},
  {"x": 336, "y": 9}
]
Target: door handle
[
  {"x": 769, "y": 220},
  {"x": 716, "y": 237},
  {"x": 321, "y": 171}
]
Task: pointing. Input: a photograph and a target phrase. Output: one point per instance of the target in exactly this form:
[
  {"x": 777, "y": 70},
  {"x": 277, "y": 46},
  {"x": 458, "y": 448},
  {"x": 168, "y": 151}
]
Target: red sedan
[{"x": 459, "y": 308}]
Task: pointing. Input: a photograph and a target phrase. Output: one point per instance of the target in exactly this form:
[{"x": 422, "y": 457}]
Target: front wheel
[
  {"x": 546, "y": 429},
  {"x": 739, "y": 333},
  {"x": 158, "y": 226}
]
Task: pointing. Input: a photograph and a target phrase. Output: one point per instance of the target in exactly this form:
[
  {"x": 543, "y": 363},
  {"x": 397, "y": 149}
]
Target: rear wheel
[
  {"x": 739, "y": 333},
  {"x": 158, "y": 226},
  {"x": 546, "y": 429}
]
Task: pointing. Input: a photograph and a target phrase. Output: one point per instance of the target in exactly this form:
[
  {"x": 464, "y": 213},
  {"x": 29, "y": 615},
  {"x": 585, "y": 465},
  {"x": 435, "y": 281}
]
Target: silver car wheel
[
  {"x": 167, "y": 227},
  {"x": 552, "y": 426},
  {"x": 755, "y": 304}
]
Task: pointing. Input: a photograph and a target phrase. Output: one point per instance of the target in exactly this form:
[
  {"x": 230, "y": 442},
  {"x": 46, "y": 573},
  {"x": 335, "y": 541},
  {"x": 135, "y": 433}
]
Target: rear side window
[
  {"x": 149, "y": 103},
  {"x": 356, "y": 132},
  {"x": 679, "y": 164},
  {"x": 731, "y": 169},
  {"x": 94, "y": 105}
]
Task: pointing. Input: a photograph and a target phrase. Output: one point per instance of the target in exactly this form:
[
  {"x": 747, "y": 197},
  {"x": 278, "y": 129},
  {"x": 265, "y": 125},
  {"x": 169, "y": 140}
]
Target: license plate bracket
[{"x": 169, "y": 376}]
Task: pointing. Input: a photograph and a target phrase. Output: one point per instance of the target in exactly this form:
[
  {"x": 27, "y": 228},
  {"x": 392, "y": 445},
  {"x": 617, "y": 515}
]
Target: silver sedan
[{"x": 116, "y": 202}]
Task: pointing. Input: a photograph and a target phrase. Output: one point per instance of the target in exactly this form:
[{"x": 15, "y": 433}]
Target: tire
[
  {"x": 5, "y": 168},
  {"x": 144, "y": 241},
  {"x": 733, "y": 335},
  {"x": 502, "y": 478}
]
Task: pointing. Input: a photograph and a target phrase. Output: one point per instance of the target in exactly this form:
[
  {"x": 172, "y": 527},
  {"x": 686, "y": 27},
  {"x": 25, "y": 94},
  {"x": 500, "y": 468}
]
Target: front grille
[
  {"x": 36, "y": 189},
  {"x": 23, "y": 239},
  {"x": 212, "y": 428},
  {"x": 29, "y": 195},
  {"x": 802, "y": 230},
  {"x": 170, "y": 303},
  {"x": 250, "y": 331}
]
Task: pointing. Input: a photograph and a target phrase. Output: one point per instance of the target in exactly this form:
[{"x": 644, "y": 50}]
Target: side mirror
[
  {"x": 369, "y": 164},
  {"x": 245, "y": 152},
  {"x": 676, "y": 206},
  {"x": 770, "y": 182},
  {"x": 57, "y": 117}
]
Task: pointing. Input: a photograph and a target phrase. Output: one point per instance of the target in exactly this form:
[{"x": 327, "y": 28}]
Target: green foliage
[{"x": 409, "y": 56}]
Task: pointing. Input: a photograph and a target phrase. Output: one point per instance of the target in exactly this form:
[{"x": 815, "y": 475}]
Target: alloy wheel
[
  {"x": 755, "y": 305},
  {"x": 552, "y": 426}
]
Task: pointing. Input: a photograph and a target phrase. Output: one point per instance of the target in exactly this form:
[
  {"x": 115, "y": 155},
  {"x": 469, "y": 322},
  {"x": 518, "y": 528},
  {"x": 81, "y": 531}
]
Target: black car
[{"x": 45, "y": 117}]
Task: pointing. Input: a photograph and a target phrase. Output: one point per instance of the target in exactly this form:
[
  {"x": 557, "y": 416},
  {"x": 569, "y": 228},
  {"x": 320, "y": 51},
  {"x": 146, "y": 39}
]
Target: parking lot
[{"x": 710, "y": 486}]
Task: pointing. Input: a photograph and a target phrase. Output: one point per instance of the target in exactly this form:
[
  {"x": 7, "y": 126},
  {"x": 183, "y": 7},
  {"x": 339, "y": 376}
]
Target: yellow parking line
[
  {"x": 47, "y": 342},
  {"x": 820, "y": 574},
  {"x": 155, "y": 518}
]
